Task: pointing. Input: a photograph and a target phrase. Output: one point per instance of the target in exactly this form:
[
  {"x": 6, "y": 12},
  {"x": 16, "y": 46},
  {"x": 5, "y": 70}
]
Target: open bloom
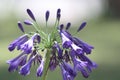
[
  {"x": 49, "y": 50},
  {"x": 18, "y": 42},
  {"x": 27, "y": 47}
]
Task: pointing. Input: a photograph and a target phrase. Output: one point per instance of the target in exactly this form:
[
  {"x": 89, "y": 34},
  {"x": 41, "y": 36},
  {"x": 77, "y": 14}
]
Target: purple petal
[
  {"x": 18, "y": 42},
  {"x": 69, "y": 69},
  {"x": 53, "y": 64},
  {"x": 14, "y": 63},
  {"x": 29, "y": 45},
  {"x": 59, "y": 50},
  {"x": 31, "y": 14},
  {"x": 67, "y": 44},
  {"x": 20, "y": 26},
  {"x": 23, "y": 61},
  {"x": 83, "y": 71},
  {"x": 86, "y": 47},
  {"x": 66, "y": 74},
  {"x": 77, "y": 49},
  {"x": 40, "y": 68},
  {"x": 25, "y": 69},
  {"x": 21, "y": 42},
  {"x": 85, "y": 58}
]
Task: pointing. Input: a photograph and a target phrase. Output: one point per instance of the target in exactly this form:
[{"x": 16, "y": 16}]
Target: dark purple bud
[
  {"x": 61, "y": 27},
  {"x": 81, "y": 26},
  {"x": 31, "y": 14},
  {"x": 47, "y": 15},
  {"x": 40, "y": 68},
  {"x": 28, "y": 22},
  {"x": 20, "y": 26},
  {"x": 59, "y": 11},
  {"x": 68, "y": 26},
  {"x": 58, "y": 14}
]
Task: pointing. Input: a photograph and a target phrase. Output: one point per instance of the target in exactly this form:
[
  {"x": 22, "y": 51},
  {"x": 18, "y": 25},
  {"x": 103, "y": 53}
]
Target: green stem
[{"x": 46, "y": 65}]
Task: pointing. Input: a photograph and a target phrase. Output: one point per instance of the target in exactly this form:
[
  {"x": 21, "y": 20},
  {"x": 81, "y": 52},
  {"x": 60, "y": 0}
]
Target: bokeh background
[{"x": 102, "y": 31}]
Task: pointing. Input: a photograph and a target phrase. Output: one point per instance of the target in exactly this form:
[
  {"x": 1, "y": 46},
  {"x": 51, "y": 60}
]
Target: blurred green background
[{"x": 102, "y": 32}]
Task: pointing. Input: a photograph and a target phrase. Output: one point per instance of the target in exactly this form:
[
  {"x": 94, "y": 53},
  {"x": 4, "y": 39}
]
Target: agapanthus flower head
[{"x": 49, "y": 50}]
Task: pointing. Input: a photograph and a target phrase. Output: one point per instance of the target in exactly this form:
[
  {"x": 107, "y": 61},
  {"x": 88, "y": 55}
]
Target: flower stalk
[{"x": 46, "y": 65}]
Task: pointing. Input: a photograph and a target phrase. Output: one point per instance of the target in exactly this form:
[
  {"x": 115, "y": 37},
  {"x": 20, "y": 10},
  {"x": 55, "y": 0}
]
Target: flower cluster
[{"x": 49, "y": 50}]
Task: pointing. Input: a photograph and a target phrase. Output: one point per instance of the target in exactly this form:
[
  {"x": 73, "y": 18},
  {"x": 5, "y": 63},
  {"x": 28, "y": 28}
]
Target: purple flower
[
  {"x": 67, "y": 42},
  {"x": 53, "y": 60},
  {"x": 14, "y": 63},
  {"x": 27, "y": 47},
  {"x": 19, "y": 41},
  {"x": 59, "y": 50},
  {"x": 40, "y": 68},
  {"x": 86, "y": 47},
  {"x": 67, "y": 72},
  {"x": 25, "y": 69},
  {"x": 69, "y": 69},
  {"x": 91, "y": 64},
  {"x": 82, "y": 64}
]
